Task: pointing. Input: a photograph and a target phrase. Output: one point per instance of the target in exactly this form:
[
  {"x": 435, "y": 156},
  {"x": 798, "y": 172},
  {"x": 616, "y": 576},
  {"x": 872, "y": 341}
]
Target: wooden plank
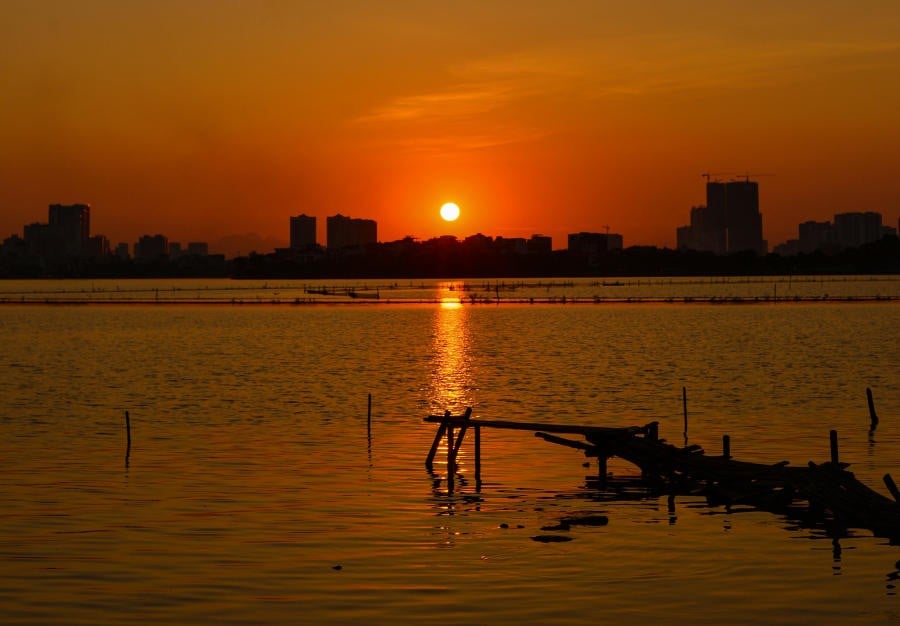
[
  {"x": 578, "y": 445},
  {"x": 573, "y": 429}
]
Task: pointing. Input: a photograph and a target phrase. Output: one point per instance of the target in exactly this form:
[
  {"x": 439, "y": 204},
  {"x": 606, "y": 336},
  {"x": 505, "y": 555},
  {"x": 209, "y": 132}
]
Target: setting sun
[{"x": 450, "y": 211}]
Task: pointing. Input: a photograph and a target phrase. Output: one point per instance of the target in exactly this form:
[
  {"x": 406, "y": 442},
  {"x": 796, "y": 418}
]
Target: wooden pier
[{"x": 824, "y": 490}]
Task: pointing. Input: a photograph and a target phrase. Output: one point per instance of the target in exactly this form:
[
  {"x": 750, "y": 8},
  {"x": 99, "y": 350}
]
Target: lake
[{"x": 254, "y": 493}]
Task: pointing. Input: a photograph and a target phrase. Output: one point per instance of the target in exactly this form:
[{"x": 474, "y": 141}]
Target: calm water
[{"x": 251, "y": 475}]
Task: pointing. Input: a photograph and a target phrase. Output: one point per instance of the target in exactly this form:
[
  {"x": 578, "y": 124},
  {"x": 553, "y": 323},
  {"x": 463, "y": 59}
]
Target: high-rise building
[
  {"x": 346, "y": 232},
  {"x": 151, "y": 248},
  {"x": 71, "y": 226},
  {"x": 730, "y": 221},
  {"x": 852, "y": 230},
  {"x": 738, "y": 201},
  {"x": 303, "y": 232}
]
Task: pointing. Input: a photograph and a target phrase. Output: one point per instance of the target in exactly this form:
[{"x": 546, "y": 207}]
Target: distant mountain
[{"x": 242, "y": 245}]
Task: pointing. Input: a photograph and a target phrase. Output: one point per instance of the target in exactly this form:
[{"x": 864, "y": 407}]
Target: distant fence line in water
[
  {"x": 673, "y": 290},
  {"x": 469, "y": 301}
]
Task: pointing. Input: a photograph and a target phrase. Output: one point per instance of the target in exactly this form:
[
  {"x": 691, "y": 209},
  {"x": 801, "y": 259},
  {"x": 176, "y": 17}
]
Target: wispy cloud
[
  {"x": 476, "y": 109},
  {"x": 485, "y": 102},
  {"x": 459, "y": 101}
]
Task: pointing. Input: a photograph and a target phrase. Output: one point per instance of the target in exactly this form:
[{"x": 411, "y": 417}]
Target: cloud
[
  {"x": 481, "y": 95},
  {"x": 497, "y": 100}
]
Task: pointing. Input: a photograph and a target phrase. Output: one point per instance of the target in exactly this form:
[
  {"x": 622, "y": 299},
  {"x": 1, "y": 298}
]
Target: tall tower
[
  {"x": 303, "y": 232},
  {"x": 71, "y": 226},
  {"x": 733, "y": 209}
]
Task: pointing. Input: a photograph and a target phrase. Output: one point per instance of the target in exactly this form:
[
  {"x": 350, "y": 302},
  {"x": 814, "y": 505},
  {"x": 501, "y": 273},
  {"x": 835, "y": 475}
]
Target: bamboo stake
[
  {"x": 872, "y": 415},
  {"x": 128, "y": 434},
  {"x": 477, "y": 455},
  {"x": 834, "y": 447},
  {"x": 429, "y": 460}
]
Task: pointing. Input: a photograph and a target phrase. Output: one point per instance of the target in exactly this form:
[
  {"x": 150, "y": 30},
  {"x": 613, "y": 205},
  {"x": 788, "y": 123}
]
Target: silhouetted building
[
  {"x": 511, "y": 245},
  {"x": 346, "y": 232},
  {"x": 41, "y": 241},
  {"x": 71, "y": 225},
  {"x": 849, "y": 230},
  {"x": 198, "y": 248},
  {"x": 815, "y": 236},
  {"x": 730, "y": 221},
  {"x": 593, "y": 244},
  {"x": 97, "y": 247},
  {"x": 174, "y": 250},
  {"x": 122, "y": 251},
  {"x": 477, "y": 242},
  {"x": 13, "y": 246},
  {"x": 303, "y": 232},
  {"x": 540, "y": 244},
  {"x": 151, "y": 248},
  {"x": 852, "y": 230}
]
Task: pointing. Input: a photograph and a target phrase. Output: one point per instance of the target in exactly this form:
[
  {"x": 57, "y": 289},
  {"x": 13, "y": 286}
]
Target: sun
[{"x": 450, "y": 211}]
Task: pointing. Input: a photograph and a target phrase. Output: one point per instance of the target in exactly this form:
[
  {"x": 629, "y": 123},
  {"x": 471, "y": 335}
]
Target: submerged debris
[{"x": 551, "y": 538}]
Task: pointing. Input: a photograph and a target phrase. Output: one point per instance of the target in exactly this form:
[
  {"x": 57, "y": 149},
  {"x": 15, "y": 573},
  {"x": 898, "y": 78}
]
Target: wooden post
[
  {"x": 128, "y": 434},
  {"x": 128, "y": 428},
  {"x": 726, "y": 447},
  {"x": 459, "y": 441},
  {"x": 450, "y": 459},
  {"x": 477, "y": 454},
  {"x": 429, "y": 461},
  {"x": 892, "y": 487},
  {"x": 369, "y": 417},
  {"x": 652, "y": 431},
  {"x": 462, "y": 433},
  {"x": 684, "y": 406},
  {"x": 602, "y": 468},
  {"x": 872, "y": 415},
  {"x": 834, "y": 447}
]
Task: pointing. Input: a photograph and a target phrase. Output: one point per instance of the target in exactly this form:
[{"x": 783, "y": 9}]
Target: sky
[{"x": 201, "y": 119}]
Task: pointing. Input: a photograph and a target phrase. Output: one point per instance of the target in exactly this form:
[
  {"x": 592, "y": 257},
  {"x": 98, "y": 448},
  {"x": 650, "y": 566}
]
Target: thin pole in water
[
  {"x": 128, "y": 434},
  {"x": 478, "y": 456},
  {"x": 872, "y": 415},
  {"x": 834, "y": 446},
  {"x": 684, "y": 406}
]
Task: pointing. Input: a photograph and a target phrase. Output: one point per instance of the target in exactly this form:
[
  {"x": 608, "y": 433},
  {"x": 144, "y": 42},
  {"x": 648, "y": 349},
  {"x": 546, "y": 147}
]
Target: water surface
[{"x": 254, "y": 494}]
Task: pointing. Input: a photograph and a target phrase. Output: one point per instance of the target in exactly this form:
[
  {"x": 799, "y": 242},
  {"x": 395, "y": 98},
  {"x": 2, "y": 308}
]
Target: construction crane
[{"x": 747, "y": 175}]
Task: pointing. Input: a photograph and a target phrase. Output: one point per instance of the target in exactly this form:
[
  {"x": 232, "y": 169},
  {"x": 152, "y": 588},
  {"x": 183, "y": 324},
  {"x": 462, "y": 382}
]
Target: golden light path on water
[{"x": 451, "y": 383}]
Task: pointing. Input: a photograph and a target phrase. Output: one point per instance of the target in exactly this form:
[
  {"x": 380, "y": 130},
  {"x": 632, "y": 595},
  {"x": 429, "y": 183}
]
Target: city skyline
[
  {"x": 532, "y": 119},
  {"x": 729, "y": 223}
]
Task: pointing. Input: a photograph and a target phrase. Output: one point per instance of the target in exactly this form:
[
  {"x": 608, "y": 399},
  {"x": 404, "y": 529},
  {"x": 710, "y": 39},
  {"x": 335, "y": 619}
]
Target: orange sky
[{"x": 202, "y": 119}]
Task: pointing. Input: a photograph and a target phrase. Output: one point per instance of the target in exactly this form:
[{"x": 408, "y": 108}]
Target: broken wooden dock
[{"x": 825, "y": 490}]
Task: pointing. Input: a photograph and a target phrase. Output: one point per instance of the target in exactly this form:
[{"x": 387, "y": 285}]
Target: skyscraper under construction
[{"x": 730, "y": 222}]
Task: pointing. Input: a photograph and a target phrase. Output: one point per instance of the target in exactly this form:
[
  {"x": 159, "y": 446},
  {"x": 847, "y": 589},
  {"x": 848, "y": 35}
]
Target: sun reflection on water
[{"x": 451, "y": 381}]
